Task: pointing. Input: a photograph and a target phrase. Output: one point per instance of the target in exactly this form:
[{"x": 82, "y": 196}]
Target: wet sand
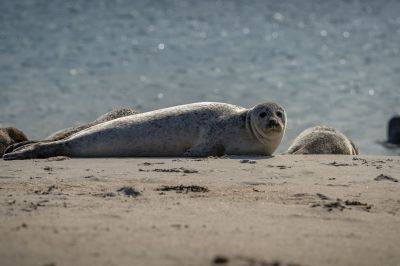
[{"x": 284, "y": 210}]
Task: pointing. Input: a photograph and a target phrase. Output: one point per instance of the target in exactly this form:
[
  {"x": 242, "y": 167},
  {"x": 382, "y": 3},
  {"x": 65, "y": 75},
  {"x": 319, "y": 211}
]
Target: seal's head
[{"x": 267, "y": 122}]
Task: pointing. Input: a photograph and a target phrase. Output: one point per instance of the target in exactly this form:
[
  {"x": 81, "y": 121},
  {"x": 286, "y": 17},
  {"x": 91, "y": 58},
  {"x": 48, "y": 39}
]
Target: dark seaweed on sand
[{"x": 183, "y": 189}]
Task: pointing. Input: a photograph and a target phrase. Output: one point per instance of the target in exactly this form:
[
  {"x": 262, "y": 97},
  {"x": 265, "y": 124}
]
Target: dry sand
[{"x": 284, "y": 210}]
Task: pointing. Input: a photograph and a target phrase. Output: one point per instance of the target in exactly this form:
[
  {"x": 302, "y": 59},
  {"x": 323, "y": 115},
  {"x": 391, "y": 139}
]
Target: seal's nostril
[{"x": 272, "y": 123}]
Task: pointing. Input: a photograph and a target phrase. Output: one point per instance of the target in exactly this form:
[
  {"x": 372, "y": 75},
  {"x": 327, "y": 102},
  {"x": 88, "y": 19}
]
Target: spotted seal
[
  {"x": 322, "y": 140},
  {"x": 194, "y": 130}
]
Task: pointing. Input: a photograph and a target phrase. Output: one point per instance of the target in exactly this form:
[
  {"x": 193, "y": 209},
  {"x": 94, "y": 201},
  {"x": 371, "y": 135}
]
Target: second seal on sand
[{"x": 322, "y": 140}]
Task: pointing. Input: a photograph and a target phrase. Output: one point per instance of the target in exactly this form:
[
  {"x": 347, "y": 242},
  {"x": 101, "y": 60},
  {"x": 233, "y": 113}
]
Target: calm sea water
[{"x": 334, "y": 63}]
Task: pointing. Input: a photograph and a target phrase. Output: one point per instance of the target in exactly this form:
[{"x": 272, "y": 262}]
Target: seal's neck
[{"x": 269, "y": 141}]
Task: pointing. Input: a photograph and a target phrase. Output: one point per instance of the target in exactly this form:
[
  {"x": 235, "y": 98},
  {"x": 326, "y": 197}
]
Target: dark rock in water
[
  {"x": 9, "y": 136},
  {"x": 394, "y": 130}
]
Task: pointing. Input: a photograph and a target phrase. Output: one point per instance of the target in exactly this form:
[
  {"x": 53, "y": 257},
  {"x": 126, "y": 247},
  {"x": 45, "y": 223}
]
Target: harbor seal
[
  {"x": 65, "y": 133},
  {"x": 322, "y": 140},
  {"x": 9, "y": 136},
  {"x": 193, "y": 130}
]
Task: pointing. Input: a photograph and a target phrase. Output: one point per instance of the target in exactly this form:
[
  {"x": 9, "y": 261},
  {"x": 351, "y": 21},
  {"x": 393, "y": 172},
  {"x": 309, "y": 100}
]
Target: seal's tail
[{"x": 36, "y": 151}]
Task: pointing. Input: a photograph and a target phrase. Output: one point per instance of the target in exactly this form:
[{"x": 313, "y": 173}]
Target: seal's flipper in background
[{"x": 356, "y": 150}]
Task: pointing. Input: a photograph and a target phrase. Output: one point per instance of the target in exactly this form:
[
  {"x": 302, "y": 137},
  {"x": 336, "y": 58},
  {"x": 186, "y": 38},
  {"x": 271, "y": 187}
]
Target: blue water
[{"x": 335, "y": 63}]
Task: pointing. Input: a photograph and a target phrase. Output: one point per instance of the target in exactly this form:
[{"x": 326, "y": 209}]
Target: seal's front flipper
[
  {"x": 205, "y": 150},
  {"x": 302, "y": 150}
]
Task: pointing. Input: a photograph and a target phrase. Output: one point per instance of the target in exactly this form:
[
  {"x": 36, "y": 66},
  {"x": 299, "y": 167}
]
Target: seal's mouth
[{"x": 275, "y": 128}]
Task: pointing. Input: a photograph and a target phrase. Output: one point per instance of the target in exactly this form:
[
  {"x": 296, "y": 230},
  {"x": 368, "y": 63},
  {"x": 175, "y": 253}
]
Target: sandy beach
[{"x": 283, "y": 210}]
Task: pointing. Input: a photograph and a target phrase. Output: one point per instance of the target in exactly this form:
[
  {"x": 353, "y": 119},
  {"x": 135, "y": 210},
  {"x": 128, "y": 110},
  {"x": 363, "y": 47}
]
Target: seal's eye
[
  {"x": 263, "y": 114},
  {"x": 279, "y": 114}
]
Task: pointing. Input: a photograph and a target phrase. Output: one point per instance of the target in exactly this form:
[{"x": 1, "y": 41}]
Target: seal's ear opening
[{"x": 394, "y": 130}]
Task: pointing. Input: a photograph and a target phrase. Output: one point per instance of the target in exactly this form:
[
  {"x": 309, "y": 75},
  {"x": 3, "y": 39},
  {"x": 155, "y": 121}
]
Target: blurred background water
[{"x": 333, "y": 63}]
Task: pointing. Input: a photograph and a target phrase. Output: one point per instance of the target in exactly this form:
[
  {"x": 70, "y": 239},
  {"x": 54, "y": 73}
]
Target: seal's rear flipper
[
  {"x": 15, "y": 146},
  {"x": 23, "y": 153},
  {"x": 37, "y": 151}
]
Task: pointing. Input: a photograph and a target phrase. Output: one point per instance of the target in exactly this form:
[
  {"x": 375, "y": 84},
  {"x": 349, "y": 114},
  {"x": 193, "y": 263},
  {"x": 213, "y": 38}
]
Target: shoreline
[{"x": 287, "y": 209}]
